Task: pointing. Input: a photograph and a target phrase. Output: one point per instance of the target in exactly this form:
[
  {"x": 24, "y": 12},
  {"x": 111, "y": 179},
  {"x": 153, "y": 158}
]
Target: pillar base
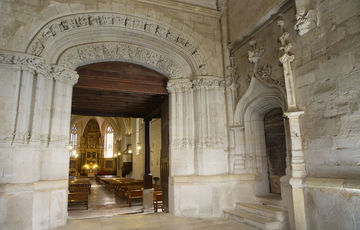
[{"x": 148, "y": 206}]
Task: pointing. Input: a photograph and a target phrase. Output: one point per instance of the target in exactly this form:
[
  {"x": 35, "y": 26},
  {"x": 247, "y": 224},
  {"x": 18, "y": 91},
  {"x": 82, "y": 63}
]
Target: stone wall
[{"x": 326, "y": 72}]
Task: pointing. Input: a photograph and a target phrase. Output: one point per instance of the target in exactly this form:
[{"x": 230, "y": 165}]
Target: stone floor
[
  {"x": 159, "y": 221},
  {"x": 103, "y": 203},
  {"x": 108, "y": 212}
]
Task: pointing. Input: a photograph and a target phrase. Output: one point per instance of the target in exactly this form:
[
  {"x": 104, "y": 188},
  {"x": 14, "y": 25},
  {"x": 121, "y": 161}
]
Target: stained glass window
[{"x": 109, "y": 143}]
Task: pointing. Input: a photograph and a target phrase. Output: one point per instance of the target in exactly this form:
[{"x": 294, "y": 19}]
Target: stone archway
[
  {"x": 249, "y": 130},
  {"x": 36, "y": 138}
]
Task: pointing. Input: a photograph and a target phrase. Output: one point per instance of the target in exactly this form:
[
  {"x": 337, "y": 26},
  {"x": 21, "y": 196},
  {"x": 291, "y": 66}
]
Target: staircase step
[
  {"x": 253, "y": 219},
  {"x": 271, "y": 199},
  {"x": 268, "y": 211}
]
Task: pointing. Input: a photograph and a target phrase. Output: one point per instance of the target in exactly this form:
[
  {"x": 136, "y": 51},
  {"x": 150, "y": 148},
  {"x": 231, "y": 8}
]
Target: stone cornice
[{"x": 39, "y": 66}]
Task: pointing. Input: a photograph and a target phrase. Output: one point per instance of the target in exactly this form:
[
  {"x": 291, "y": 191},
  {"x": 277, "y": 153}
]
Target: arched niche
[{"x": 249, "y": 129}]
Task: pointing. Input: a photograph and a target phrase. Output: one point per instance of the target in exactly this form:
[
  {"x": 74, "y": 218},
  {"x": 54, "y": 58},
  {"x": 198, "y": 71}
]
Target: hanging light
[{"x": 138, "y": 146}]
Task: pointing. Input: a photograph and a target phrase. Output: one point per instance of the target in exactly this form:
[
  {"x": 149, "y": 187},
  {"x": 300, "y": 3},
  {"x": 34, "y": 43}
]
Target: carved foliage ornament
[
  {"x": 39, "y": 66},
  {"x": 182, "y": 85},
  {"x": 88, "y": 53},
  {"x": 261, "y": 72},
  {"x": 75, "y": 22}
]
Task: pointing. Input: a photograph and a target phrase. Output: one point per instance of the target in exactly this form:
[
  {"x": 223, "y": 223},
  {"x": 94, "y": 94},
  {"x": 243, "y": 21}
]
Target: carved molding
[
  {"x": 179, "y": 85},
  {"x": 306, "y": 21},
  {"x": 261, "y": 72},
  {"x": 179, "y": 143},
  {"x": 208, "y": 83},
  {"x": 90, "y": 53},
  {"x": 38, "y": 65},
  {"x": 182, "y": 85},
  {"x": 71, "y": 23}
]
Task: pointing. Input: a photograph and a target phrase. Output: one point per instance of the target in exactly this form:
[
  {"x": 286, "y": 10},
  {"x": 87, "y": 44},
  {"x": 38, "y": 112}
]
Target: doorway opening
[
  {"x": 112, "y": 156},
  {"x": 275, "y": 141}
]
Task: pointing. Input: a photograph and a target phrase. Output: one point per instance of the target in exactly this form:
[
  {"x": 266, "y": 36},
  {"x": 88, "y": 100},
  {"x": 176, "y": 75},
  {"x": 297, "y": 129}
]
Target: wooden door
[
  {"x": 275, "y": 148},
  {"x": 164, "y": 158}
]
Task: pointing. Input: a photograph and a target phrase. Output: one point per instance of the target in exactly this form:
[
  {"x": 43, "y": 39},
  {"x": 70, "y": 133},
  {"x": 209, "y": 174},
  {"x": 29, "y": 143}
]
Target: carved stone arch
[
  {"x": 64, "y": 32},
  {"x": 249, "y": 129},
  {"x": 172, "y": 66},
  {"x": 257, "y": 89}
]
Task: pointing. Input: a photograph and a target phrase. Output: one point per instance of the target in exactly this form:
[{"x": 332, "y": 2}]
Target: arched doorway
[
  {"x": 113, "y": 90},
  {"x": 275, "y": 148}
]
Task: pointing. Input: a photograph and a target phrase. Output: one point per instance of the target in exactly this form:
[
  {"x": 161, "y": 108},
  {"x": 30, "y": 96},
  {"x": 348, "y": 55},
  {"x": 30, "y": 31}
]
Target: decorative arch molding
[
  {"x": 257, "y": 90},
  {"x": 76, "y": 56},
  {"x": 250, "y": 152},
  {"x": 130, "y": 26}
]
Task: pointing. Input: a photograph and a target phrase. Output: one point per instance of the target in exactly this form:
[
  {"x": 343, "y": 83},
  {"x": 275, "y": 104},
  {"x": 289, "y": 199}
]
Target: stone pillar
[
  {"x": 148, "y": 185},
  {"x": 33, "y": 187},
  {"x": 298, "y": 172},
  {"x": 147, "y": 176},
  {"x": 181, "y": 127},
  {"x": 210, "y": 130}
]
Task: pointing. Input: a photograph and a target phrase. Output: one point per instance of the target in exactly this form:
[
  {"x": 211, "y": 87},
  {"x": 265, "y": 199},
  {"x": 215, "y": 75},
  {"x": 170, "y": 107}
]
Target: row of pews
[
  {"x": 79, "y": 189},
  {"x": 129, "y": 189}
]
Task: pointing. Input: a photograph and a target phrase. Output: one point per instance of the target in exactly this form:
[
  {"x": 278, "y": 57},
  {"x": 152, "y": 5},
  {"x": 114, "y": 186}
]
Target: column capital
[{"x": 293, "y": 114}]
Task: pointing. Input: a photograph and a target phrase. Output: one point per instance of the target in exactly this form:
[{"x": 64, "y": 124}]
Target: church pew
[
  {"x": 134, "y": 194},
  {"x": 157, "y": 200},
  {"x": 78, "y": 198}
]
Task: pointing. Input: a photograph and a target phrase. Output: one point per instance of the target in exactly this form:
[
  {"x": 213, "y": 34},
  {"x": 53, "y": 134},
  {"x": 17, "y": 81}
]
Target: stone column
[
  {"x": 147, "y": 176},
  {"x": 181, "y": 127},
  {"x": 210, "y": 130},
  {"x": 28, "y": 198},
  {"x": 148, "y": 185},
  {"x": 298, "y": 172}
]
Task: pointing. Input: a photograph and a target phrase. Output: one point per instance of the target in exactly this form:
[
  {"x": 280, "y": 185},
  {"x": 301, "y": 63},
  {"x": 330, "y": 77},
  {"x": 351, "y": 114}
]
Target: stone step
[
  {"x": 268, "y": 211},
  {"x": 253, "y": 219},
  {"x": 271, "y": 199}
]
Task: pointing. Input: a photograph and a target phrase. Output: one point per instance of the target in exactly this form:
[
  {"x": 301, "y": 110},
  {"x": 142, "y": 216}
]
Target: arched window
[
  {"x": 109, "y": 143},
  {"x": 73, "y": 141},
  {"x": 73, "y": 137}
]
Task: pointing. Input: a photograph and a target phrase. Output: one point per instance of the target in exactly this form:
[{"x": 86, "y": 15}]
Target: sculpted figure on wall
[{"x": 306, "y": 21}]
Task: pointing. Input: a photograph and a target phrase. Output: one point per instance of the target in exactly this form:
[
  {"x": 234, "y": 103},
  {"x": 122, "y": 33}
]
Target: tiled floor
[{"x": 159, "y": 221}]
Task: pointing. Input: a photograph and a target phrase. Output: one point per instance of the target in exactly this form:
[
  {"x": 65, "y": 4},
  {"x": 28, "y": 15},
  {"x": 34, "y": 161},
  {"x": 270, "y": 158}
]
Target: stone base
[
  {"x": 39, "y": 205},
  {"x": 148, "y": 206}
]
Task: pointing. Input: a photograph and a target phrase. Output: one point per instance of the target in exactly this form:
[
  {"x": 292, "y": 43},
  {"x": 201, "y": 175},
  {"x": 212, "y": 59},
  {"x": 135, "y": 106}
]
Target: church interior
[{"x": 180, "y": 114}]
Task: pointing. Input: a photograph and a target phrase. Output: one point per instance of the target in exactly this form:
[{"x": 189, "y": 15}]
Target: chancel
[{"x": 186, "y": 114}]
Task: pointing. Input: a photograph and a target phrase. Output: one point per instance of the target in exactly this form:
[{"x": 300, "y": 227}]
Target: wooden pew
[
  {"x": 134, "y": 194},
  {"x": 79, "y": 198},
  {"x": 157, "y": 200}
]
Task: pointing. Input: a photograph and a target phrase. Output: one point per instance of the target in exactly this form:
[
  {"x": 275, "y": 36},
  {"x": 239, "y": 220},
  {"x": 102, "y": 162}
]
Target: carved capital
[
  {"x": 306, "y": 21},
  {"x": 179, "y": 85},
  {"x": 60, "y": 73},
  {"x": 38, "y": 65},
  {"x": 25, "y": 61}
]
